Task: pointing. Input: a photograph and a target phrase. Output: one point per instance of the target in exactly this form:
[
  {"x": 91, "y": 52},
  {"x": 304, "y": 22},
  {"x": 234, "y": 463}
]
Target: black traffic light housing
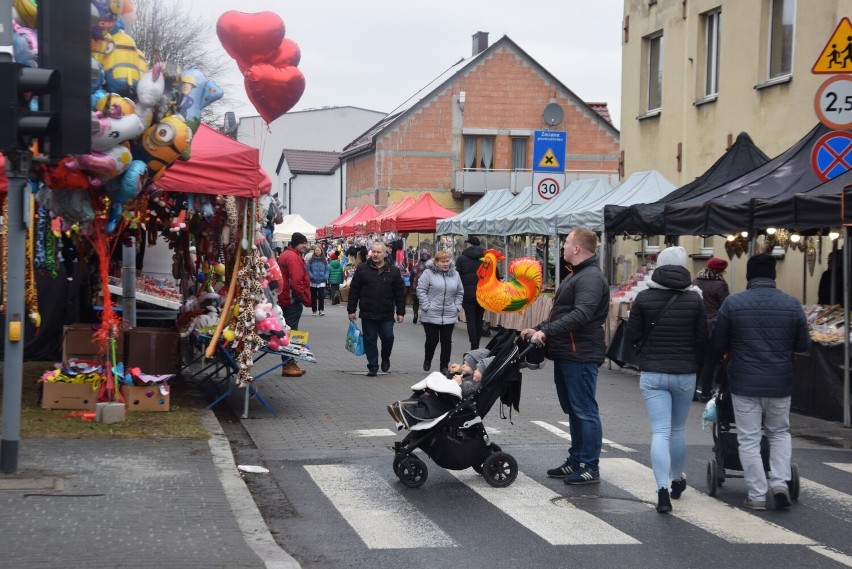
[{"x": 19, "y": 124}]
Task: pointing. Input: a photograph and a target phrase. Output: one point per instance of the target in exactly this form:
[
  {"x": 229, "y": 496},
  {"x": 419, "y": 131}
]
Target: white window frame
[
  {"x": 785, "y": 10},
  {"x": 654, "y": 83},
  {"x": 712, "y": 36}
]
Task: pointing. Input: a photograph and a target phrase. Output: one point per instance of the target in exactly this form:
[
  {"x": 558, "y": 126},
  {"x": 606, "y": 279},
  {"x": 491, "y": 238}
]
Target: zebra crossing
[{"x": 369, "y": 499}]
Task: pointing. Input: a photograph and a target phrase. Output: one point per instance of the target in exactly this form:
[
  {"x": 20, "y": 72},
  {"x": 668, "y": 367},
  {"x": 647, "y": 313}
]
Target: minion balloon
[{"x": 162, "y": 143}]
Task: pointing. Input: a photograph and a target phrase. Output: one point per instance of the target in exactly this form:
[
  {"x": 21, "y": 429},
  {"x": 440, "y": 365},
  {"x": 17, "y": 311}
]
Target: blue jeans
[
  {"x": 373, "y": 330},
  {"x": 575, "y": 386},
  {"x": 668, "y": 397}
]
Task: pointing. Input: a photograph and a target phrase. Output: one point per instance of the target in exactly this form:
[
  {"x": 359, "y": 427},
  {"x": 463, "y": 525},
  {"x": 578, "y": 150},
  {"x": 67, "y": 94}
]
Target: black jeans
[
  {"x": 373, "y": 330},
  {"x": 444, "y": 333},
  {"x": 415, "y": 306},
  {"x": 317, "y": 299},
  {"x": 473, "y": 316}
]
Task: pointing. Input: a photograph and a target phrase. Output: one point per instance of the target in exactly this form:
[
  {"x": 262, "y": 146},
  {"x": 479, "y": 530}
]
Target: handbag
[
  {"x": 355, "y": 339},
  {"x": 621, "y": 352}
]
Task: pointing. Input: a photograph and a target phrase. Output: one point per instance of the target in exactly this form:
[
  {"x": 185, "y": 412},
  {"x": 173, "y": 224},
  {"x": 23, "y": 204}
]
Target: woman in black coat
[{"x": 714, "y": 290}]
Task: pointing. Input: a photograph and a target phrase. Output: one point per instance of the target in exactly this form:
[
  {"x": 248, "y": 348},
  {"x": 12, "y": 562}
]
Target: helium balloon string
[{"x": 31, "y": 294}]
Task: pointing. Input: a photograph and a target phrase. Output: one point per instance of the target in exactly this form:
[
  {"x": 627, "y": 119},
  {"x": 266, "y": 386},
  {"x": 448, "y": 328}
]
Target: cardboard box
[
  {"x": 77, "y": 343},
  {"x": 145, "y": 398},
  {"x": 153, "y": 350},
  {"x": 58, "y": 395}
]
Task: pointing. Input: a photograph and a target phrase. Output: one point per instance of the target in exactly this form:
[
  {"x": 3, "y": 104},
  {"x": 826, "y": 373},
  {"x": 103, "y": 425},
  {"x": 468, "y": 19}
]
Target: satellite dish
[{"x": 553, "y": 114}]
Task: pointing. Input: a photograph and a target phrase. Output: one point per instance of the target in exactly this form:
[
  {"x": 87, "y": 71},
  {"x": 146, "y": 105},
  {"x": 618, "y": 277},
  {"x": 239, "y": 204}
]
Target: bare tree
[{"x": 172, "y": 32}]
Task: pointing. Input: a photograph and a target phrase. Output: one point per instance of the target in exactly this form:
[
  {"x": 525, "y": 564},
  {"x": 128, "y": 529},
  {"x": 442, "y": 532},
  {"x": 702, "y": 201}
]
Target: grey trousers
[{"x": 774, "y": 414}]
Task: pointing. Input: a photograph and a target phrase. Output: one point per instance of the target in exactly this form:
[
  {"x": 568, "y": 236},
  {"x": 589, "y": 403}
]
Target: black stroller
[
  {"x": 725, "y": 445},
  {"x": 458, "y": 440}
]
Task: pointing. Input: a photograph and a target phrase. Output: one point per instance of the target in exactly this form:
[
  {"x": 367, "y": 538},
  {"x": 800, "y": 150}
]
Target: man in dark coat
[
  {"x": 377, "y": 285},
  {"x": 574, "y": 336},
  {"x": 467, "y": 264},
  {"x": 760, "y": 329}
]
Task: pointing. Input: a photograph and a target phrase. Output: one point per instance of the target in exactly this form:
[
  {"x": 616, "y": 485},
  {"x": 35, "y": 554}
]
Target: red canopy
[
  {"x": 329, "y": 227},
  {"x": 347, "y": 227},
  {"x": 376, "y": 225},
  {"x": 422, "y": 215},
  {"x": 218, "y": 165}
]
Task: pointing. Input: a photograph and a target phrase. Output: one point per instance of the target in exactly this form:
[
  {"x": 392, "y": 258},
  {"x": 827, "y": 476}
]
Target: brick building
[{"x": 472, "y": 130}]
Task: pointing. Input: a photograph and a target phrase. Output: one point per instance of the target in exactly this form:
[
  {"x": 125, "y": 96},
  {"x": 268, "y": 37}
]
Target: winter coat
[
  {"x": 335, "y": 272},
  {"x": 318, "y": 272},
  {"x": 679, "y": 338},
  {"x": 467, "y": 264},
  {"x": 379, "y": 290},
  {"x": 295, "y": 284},
  {"x": 714, "y": 291},
  {"x": 416, "y": 271},
  {"x": 440, "y": 294},
  {"x": 760, "y": 329},
  {"x": 574, "y": 328}
]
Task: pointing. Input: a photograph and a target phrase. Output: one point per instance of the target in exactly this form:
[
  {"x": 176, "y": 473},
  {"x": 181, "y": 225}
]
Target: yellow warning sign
[
  {"x": 836, "y": 56},
  {"x": 548, "y": 160}
]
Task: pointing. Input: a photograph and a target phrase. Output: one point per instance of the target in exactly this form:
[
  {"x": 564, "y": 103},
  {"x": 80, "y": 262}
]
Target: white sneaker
[{"x": 321, "y": 313}]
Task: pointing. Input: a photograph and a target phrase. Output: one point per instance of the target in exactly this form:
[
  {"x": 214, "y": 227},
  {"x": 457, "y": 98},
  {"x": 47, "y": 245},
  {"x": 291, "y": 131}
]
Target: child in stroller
[
  {"x": 434, "y": 395},
  {"x": 457, "y": 439}
]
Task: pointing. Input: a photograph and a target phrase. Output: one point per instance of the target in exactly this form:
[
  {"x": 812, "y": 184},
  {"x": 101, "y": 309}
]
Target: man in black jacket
[
  {"x": 378, "y": 287},
  {"x": 760, "y": 329},
  {"x": 574, "y": 336},
  {"x": 467, "y": 264}
]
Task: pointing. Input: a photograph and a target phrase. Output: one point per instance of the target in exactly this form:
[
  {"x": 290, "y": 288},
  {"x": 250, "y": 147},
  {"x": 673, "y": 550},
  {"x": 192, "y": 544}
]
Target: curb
[{"x": 254, "y": 529}]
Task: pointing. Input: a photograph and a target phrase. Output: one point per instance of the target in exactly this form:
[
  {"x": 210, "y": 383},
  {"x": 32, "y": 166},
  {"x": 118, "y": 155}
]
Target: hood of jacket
[
  {"x": 672, "y": 277},
  {"x": 430, "y": 265},
  {"x": 475, "y": 252}
]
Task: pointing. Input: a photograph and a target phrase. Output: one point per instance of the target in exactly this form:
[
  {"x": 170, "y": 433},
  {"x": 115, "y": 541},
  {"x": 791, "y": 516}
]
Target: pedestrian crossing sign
[
  {"x": 549, "y": 160},
  {"x": 836, "y": 56}
]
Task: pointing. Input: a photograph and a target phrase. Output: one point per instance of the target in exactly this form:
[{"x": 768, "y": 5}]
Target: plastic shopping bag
[{"x": 355, "y": 340}]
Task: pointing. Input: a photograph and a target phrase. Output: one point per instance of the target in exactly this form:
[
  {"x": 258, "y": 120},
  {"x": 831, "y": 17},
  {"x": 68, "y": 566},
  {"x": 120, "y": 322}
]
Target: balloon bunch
[
  {"x": 267, "y": 60},
  {"x": 143, "y": 119}
]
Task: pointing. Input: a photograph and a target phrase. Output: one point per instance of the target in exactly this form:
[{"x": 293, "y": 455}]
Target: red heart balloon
[
  {"x": 288, "y": 54},
  {"x": 250, "y": 38},
  {"x": 274, "y": 90}
]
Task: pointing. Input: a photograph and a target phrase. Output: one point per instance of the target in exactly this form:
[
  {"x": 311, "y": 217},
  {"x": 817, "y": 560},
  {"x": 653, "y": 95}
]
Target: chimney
[
  {"x": 480, "y": 43},
  {"x": 230, "y": 122}
]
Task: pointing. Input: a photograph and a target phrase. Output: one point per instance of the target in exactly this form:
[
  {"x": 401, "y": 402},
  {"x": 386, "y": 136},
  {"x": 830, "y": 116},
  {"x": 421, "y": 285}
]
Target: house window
[
  {"x": 519, "y": 154},
  {"x": 478, "y": 153},
  {"x": 655, "y": 72},
  {"x": 712, "y": 21},
  {"x": 782, "y": 17}
]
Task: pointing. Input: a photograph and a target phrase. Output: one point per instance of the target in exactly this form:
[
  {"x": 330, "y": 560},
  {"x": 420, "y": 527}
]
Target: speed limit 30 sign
[
  {"x": 833, "y": 102},
  {"x": 546, "y": 186}
]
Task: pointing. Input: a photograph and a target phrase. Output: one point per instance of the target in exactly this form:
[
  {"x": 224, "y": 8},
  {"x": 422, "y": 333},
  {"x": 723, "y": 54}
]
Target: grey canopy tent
[{"x": 493, "y": 200}]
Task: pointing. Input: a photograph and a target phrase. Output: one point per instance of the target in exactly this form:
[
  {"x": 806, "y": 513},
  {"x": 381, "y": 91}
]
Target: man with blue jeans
[
  {"x": 760, "y": 329},
  {"x": 378, "y": 287},
  {"x": 574, "y": 336}
]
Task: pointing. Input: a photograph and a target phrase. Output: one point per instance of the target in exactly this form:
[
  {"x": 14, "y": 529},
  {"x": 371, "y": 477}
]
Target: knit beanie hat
[
  {"x": 716, "y": 264},
  {"x": 483, "y": 364},
  {"x": 297, "y": 239},
  {"x": 761, "y": 266},
  {"x": 473, "y": 357},
  {"x": 672, "y": 256}
]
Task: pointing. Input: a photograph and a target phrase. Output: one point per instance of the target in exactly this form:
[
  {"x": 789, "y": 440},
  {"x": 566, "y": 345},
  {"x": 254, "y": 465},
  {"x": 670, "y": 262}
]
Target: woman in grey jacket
[{"x": 440, "y": 293}]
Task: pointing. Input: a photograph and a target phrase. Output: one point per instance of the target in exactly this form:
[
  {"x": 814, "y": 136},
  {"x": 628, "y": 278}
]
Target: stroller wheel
[
  {"x": 396, "y": 461},
  {"x": 412, "y": 472},
  {"x": 793, "y": 483},
  {"x": 500, "y": 469},
  {"x": 712, "y": 477}
]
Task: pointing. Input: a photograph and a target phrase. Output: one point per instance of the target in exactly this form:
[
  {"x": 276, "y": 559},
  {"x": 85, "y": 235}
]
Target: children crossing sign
[
  {"x": 549, "y": 151},
  {"x": 836, "y": 56}
]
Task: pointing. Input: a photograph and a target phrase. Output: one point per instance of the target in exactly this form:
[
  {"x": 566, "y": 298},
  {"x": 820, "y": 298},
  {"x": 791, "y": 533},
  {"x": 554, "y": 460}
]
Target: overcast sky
[{"x": 375, "y": 54}]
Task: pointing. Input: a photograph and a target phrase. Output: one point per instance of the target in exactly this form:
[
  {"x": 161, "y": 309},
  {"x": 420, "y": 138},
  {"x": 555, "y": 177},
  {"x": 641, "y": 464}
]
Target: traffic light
[{"x": 19, "y": 122}]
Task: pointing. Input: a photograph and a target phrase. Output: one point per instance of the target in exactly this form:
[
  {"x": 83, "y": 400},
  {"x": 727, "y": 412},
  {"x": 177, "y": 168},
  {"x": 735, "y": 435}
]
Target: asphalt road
[{"x": 332, "y": 499}]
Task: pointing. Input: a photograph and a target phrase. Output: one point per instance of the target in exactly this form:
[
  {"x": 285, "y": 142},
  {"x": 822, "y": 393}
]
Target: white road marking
[
  {"x": 832, "y": 554},
  {"x": 380, "y": 516},
  {"x": 372, "y": 433},
  {"x": 605, "y": 441},
  {"x": 844, "y": 466},
  {"x": 724, "y": 521},
  {"x": 542, "y": 511},
  {"x": 814, "y": 489}
]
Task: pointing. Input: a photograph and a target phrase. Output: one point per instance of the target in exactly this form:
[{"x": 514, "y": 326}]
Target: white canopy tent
[
  {"x": 492, "y": 200},
  {"x": 291, "y": 224},
  {"x": 546, "y": 218}
]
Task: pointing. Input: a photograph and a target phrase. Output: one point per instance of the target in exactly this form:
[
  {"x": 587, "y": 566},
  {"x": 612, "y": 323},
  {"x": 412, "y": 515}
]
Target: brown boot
[{"x": 290, "y": 369}]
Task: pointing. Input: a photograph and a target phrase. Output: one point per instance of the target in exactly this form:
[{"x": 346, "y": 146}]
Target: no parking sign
[{"x": 832, "y": 155}]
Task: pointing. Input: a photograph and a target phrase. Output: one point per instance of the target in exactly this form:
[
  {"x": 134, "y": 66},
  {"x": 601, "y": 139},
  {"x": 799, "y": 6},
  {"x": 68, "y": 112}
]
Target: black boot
[{"x": 664, "y": 504}]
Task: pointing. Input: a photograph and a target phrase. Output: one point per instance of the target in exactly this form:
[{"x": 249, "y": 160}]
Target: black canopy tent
[{"x": 648, "y": 219}]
